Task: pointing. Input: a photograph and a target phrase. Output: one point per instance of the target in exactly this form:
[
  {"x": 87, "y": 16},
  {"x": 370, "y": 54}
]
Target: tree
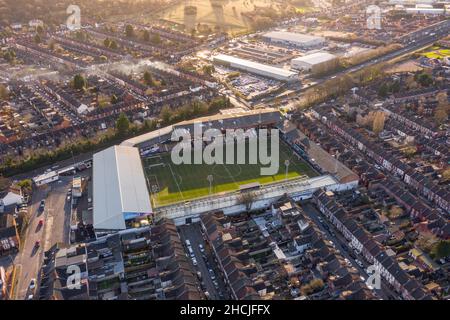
[
  {"x": 146, "y": 35},
  {"x": 442, "y": 99},
  {"x": 114, "y": 99},
  {"x": 148, "y": 79},
  {"x": 37, "y": 38},
  {"x": 79, "y": 82},
  {"x": 103, "y": 100},
  {"x": 122, "y": 125},
  {"x": 107, "y": 42},
  {"x": 25, "y": 185},
  {"x": 129, "y": 30},
  {"x": 315, "y": 285},
  {"x": 208, "y": 69},
  {"x": 4, "y": 183},
  {"x": 442, "y": 109},
  {"x": 426, "y": 242},
  {"x": 441, "y": 249},
  {"x": 378, "y": 122},
  {"x": 395, "y": 212},
  {"x": 156, "y": 39},
  {"x": 440, "y": 115},
  {"x": 247, "y": 199},
  {"x": 149, "y": 125},
  {"x": 424, "y": 79},
  {"x": 10, "y": 56},
  {"x": 39, "y": 29},
  {"x": 4, "y": 92},
  {"x": 383, "y": 90},
  {"x": 113, "y": 45},
  {"x": 166, "y": 114},
  {"x": 446, "y": 174}
]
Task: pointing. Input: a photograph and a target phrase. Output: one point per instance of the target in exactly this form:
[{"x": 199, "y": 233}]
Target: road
[
  {"x": 420, "y": 39},
  {"x": 385, "y": 292},
  {"x": 55, "y": 229},
  {"x": 205, "y": 261}
]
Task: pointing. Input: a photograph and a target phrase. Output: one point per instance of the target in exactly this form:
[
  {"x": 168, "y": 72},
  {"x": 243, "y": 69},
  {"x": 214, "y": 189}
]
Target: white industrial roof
[
  {"x": 119, "y": 187},
  {"x": 315, "y": 58},
  {"x": 255, "y": 65},
  {"x": 291, "y": 36}
]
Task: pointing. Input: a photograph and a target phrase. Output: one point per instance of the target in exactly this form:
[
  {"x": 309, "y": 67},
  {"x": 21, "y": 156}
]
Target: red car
[
  {"x": 41, "y": 223},
  {"x": 37, "y": 244}
]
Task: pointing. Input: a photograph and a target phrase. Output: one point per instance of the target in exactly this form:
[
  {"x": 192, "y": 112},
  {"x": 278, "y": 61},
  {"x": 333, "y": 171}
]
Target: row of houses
[
  {"x": 362, "y": 242},
  {"x": 428, "y": 217},
  {"x": 425, "y": 127},
  {"x": 416, "y": 180},
  {"x": 275, "y": 255},
  {"x": 145, "y": 263}
]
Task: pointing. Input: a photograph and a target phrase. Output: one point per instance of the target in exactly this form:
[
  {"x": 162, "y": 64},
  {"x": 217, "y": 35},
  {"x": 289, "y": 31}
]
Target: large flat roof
[
  {"x": 315, "y": 58},
  {"x": 291, "y": 36},
  {"x": 244, "y": 63},
  {"x": 119, "y": 187},
  {"x": 223, "y": 120}
]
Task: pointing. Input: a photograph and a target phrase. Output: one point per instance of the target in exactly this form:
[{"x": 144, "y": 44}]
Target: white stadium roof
[{"x": 119, "y": 187}]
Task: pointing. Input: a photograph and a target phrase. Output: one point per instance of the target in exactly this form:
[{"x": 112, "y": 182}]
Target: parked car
[
  {"x": 42, "y": 205},
  {"x": 359, "y": 263}
]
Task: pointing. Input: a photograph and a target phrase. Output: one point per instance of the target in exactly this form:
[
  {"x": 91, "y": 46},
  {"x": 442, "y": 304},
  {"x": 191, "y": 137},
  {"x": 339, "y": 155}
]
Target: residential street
[
  {"x": 339, "y": 241},
  {"x": 193, "y": 233},
  {"x": 55, "y": 229}
]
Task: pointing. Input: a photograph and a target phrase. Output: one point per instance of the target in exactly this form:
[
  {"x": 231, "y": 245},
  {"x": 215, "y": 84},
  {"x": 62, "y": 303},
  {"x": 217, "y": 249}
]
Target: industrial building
[
  {"x": 299, "y": 40},
  {"x": 120, "y": 192},
  {"x": 314, "y": 62},
  {"x": 255, "y": 68}
]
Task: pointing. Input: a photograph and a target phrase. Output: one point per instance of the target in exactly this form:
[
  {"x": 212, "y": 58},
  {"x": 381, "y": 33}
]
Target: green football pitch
[{"x": 170, "y": 183}]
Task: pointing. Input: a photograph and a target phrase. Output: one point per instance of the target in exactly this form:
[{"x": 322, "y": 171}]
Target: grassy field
[
  {"x": 170, "y": 183},
  {"x": 436, "y": 52}
]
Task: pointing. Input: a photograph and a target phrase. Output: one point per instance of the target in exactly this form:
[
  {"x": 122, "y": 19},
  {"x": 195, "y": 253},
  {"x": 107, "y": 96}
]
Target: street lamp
[
  {"x": 286, "y": 164},
  {"x": 210, "y": 178}
]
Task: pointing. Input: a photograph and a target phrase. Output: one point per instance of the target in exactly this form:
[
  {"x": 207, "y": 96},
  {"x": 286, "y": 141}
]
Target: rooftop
[
  {"x": 120, "y": 191},
  {"x": 291, "y": 36},
  {"x": 255, "y": 65},
  {"x": 315, "y": 58}
]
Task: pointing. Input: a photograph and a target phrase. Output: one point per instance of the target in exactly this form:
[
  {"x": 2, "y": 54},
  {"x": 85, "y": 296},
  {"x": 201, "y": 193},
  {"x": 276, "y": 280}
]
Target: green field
[{"x": 170, "y": 183}]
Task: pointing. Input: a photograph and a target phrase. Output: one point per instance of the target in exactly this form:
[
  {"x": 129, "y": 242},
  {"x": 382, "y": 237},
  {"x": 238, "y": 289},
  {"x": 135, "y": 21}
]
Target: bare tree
[
  {"x": 247, "y": 199},
  {"x": 378, "y": 122}
]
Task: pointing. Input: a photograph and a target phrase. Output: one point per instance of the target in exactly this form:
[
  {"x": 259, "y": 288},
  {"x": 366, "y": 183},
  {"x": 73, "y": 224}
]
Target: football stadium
[{"x": 170, "y": 183}]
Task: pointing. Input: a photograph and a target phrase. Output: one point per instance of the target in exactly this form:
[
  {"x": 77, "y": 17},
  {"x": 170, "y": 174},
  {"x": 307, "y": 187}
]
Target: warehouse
[
  {"x": 315, "y": 62},
  {"x": 299, "y": 40},
  {"x": 255, "y": 68},
  {"x": 120, "y": 190}
]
